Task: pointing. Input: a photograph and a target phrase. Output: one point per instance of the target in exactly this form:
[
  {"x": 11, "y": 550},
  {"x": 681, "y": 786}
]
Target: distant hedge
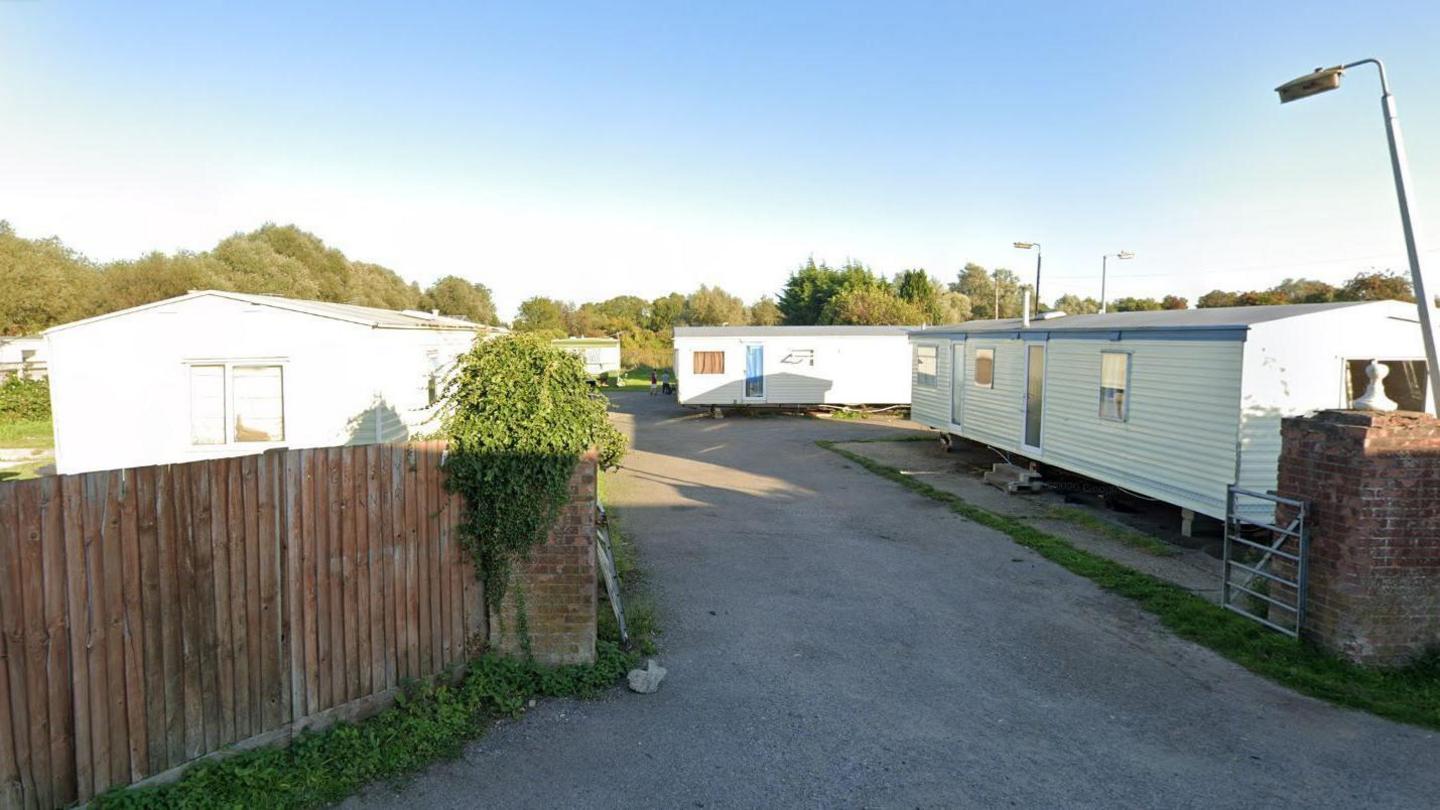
[{"x": 24, "y": 399}]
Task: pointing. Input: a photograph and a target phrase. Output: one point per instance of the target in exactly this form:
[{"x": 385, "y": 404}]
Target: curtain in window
[{"x": 259, "y": 404}]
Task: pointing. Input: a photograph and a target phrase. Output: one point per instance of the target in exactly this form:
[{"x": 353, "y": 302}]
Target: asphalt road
[{"x": 836, "y": 641}]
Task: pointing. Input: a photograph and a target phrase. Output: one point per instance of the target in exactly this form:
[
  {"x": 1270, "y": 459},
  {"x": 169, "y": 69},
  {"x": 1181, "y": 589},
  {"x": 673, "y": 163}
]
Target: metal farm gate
[{"x": 1267, "y": 546}]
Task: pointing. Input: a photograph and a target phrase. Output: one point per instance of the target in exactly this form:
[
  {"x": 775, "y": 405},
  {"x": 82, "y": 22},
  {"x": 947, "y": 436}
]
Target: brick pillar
[
  {"x": 558, "y": 584},
  {"x": 1373, "y": 483}
]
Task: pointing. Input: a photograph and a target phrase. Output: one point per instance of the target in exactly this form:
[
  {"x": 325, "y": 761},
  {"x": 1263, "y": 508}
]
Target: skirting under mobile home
[
  {"x": 1173, "y": 405},
  {"x": 792, "y": 365}
]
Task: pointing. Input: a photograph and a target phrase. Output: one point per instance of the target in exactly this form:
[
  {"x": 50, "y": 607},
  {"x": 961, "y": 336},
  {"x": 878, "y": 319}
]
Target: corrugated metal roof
[
  {"x": 783, "y": 331},
  {"x": 373, "y": 317},
  {"x": 1165, "y": 319}
]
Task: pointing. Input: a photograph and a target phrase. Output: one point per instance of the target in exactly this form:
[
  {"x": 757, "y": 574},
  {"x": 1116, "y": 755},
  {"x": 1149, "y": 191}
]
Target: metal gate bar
[{"x": 1294, "y": 564}]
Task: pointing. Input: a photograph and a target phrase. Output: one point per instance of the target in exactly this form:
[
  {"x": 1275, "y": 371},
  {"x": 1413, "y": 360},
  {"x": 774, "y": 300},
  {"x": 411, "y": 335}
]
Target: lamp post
[
  {"x": 1038, "y": 256},
  {"x": 1124, "y": 254},
  {"x": 1324, "y": 79}
]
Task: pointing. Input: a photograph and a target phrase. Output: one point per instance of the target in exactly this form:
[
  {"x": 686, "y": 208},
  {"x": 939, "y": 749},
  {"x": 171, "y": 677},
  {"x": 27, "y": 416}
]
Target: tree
[
  {"x": 44, "y": 283},
  {"x": 1305, "y": 291},
  {"x": 1217, "y": 298},
  {"x": 1136, "y": 305},
  {"x": 870, "y": 306},
  {"x": 1072, "y": 304},
  {"x": 155, "y": 277},
  {"x": 1377, "y": 286},
  {"x": 458, "y": 298},
  {"x": 974, "y": 282},
  {"x": 764, "y": 312},
  {"x": 544, "y": 314},
  {"x": 666, "y": 312},
  {"x": 810, "y": 288},
  {"x": 712, "y": 306},
  {"x": 953, "y": 308},
  {"x": 1174, "y": 302},
  {"x": 919, "y": 289}
]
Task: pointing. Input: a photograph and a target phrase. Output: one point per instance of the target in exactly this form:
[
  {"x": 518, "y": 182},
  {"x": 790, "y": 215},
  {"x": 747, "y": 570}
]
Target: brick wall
[
  {"x": 558, "y": 584},
  {"x": 1373, "y": 482}
]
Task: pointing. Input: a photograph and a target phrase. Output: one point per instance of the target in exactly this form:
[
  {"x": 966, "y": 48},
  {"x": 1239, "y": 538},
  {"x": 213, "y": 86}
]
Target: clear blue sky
[{"x": 584, "y": 151}]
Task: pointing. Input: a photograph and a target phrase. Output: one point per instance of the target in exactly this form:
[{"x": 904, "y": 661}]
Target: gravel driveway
[{"x": 834, "y": 640}]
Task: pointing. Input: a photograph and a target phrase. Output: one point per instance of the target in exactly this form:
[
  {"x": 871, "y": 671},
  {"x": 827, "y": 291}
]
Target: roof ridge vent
[
  {"x": 417, "y": 313},
  {"x": 1050, "y": 315}
]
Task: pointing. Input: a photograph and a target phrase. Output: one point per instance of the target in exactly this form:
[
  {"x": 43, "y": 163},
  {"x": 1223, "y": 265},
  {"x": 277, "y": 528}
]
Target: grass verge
[
  {"x": 27, "y": 433},
  {"x": 1409, "y": 695},
  {"x": 1122, "y": 534}
]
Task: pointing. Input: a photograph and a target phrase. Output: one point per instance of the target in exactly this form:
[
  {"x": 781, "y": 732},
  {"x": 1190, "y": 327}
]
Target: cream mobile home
[
  {"x": 601, "y": 355},
  {"x": 792, "y": 365},
  {"x": 213, "y": 374},
  {"x": 1174, "y": 405}
]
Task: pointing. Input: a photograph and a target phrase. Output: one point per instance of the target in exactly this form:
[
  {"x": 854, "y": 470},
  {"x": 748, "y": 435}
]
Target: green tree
[
  {"x": 1217, "y": 298},
  {"x": 458, "y": 298},
  {"x": 1072, "y": 304},
  {"x": 42, "y": 283},
  {"x": 764, "y": 312},
  {"x": 1305, "y": 291},
  {"x": 810, "y": 288},
  {"x": 539, "y": 314},
  {"x": 712, "y": 306},
  {"x": 981, "y": 287},
  {"x": 1377, "y": 286},
  {"x": 870, "y": 306},
  {"x": 1174, "y": 302},
  {"x": 919, "y": 289},
  {"x": 1136, "y": 305},
  {"x": 666, "y": 312},
  {"x": 954, "y": 308}
]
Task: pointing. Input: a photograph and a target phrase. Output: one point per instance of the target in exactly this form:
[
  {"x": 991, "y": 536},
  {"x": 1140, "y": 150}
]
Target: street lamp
[
  {"x": 1124, "y": 254},
  {"x": 1038, "y": 256},
  {"x": 1324, "y": 79}
]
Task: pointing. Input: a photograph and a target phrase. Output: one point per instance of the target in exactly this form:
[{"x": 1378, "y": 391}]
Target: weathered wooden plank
[
  {"x": 72, "y": 490},
  {"x": 437, "y": 558},
  {"x": 271, "y": 688},
  {"x": 11, "y": 790},
  {"x": 147, "y": 512},
  {"x": 112, "y": 554},
  {"x": 26, "y": 496},
  {"x": 312, "y": 548},
  {"x": 190, "y": 623},
  {"x": 57, "y": 641},
  {"x": 202, "y": 511},
  {"x": 375, "y": 571},
  {"x": 216, "y": 474},
  {"x": 334, "y": 565},
  {"x": 412, "y": 564},
  {"x": 293, "y": 577},
  {"x": 132, "y": 629},
  {"x": 349, "y": 592},
  {"x": 170, "y": 543},
  {"x": 238, "y": 542},
  {"x": 254, "y": 637},
  {"x": 425, "y": 503},
  {"x": 359, "y": 505},
  {"x": 443, "y": 626},
  {"x": 97, "y": 504},
  {"x": 395, "y": 519},
  {"x": 12, "y": 626},
  {"x": 457, "y": 574}
]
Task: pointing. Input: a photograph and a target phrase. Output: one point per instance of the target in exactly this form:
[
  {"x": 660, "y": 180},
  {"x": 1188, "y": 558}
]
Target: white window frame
[
  {"x": 230, "y": 364},
  {"x": 975, "y": 376},
  {"x": 934, "y": 376},
  {"x": 1125, "y": 397}
]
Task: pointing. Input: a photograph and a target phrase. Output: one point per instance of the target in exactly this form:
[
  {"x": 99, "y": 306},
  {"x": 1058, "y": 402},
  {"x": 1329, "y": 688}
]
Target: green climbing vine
[{"x": 518, "y": 413}]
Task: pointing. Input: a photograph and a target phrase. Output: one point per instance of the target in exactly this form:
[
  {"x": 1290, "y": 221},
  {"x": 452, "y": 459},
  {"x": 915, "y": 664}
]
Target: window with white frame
[
  {"x": 985, "y": 368},
  {"x": 1114, "y": 386},
  {"x": 926, "y": 366},
  {"x": 236, "y": 403}
]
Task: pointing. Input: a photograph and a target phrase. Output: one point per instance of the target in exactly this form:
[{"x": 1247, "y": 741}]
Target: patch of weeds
[
  {"x": 1409, "y": 694},
  {"x": 1130, "y": 537},
  {"x": 427, "y": 722},
  {"x": 640, "y": 613},
  {"x": 27, "y": 433}
]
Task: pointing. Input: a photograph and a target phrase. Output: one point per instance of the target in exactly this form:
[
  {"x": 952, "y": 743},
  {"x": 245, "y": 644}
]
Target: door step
[{"x": 1013, "y": 478}]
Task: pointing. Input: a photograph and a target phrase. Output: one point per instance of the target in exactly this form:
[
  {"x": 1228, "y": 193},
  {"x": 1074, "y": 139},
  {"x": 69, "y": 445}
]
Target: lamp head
[
  {"x": 1124, "y": 254},
  {"x": 1027, "y": 245},
  {"x": 1322, "y": 80}
]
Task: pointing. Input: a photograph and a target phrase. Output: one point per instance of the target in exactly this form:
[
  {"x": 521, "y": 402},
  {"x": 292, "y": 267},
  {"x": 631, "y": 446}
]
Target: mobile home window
[
  {"x": 708, "y": 362},
  {"x": 985, "y": 368},
  {"x": 259, "y": 403},
  {"x": 925, "y": 366},
  {"x": 1114, "y": 386},
  {"x": 207, "y": 404}
]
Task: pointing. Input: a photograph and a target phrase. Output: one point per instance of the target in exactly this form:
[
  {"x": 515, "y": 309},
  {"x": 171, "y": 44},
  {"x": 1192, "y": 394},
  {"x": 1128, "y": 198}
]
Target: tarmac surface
[{"x": 834, "y": 640}]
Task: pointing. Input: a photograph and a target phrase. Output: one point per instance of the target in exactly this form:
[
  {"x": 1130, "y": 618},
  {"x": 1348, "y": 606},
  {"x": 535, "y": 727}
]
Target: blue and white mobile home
[{"x": 1174, "y": 405}]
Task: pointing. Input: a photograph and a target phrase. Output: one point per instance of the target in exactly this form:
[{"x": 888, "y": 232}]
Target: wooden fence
[{"x": 151, "y": 616}]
